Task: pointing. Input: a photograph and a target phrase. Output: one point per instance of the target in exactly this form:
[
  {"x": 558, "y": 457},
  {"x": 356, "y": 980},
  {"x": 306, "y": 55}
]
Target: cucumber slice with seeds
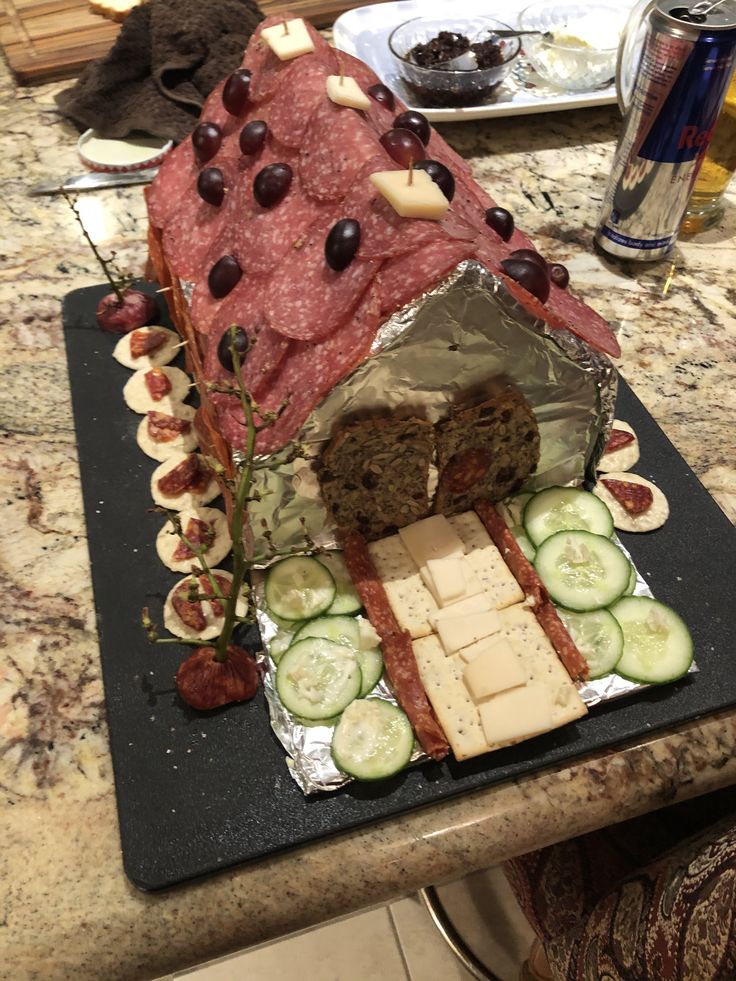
[
  {"x": 582, "y": 571},
  {"x": 346, "y": 598},
  {"x": 565, "y": 509},
  {"x": 632, "y": 581},
  {"x": 597, "y": 636},
  {"x": 299, "y": 588},
  {"x": 657, "y": 644},
  {"x": 317, "y": 679},
  {"x": 523, "y": 541},
  {"x": 339, "y": 629},
  {"x": 371, "y": 668},
  {"x": 372, "y": 740}
]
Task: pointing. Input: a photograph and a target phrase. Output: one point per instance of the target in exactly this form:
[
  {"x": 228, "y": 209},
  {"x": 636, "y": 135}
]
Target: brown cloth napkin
[{"x": 168, "y": 57}]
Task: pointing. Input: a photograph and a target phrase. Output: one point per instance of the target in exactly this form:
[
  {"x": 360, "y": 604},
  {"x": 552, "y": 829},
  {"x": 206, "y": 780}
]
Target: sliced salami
[
  {"x": 526, "y": 576},
  {"x": 618, "y": 439},
  {"x": 398, "y": 655},
  {"x": 406, "y": 277},
  {"x": 310, "y": 370},
  {"x": 175, "y": 178},
  {"x": 337, "y": 143},
  {"x": 635, "y": 499},
  {"x": 306, "y": 299},
  {"x": 302, "y": 88}
]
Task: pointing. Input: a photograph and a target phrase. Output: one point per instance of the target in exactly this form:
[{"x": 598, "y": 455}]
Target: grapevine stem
[{"x": 103, "y": 262}]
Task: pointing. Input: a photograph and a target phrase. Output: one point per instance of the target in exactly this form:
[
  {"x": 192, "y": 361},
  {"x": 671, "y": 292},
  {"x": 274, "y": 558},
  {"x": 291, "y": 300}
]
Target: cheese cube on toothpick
[
  {"x": 411, "y": 193},
  {"x": 288, "y": 40},
  {"x": 345, "y": 91}
]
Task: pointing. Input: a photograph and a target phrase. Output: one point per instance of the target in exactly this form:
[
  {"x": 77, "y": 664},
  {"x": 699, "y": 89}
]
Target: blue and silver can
[{"x": 686, "y": 64}]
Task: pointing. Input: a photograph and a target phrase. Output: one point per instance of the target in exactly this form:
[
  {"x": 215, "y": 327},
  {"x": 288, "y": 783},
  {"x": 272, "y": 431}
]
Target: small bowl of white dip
[{"x": 576, "y": 49}]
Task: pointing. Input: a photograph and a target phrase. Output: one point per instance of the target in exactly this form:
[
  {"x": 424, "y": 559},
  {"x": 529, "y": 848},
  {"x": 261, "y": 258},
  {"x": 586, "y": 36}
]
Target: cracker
[
  {"x": 623, "y": 459},
  {"x": 411, "y": 601},
  {"x": 651, "y": 519},
  {"x": 486, "y": 561}
]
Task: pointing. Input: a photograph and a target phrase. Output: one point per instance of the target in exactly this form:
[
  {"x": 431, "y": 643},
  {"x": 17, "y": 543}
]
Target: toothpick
[
  {"x": 410, "y": 181},
  {"x": 180, "y": 344},
  {"x": 165, "y": 289},
  {"x": 286, "y": 27}
]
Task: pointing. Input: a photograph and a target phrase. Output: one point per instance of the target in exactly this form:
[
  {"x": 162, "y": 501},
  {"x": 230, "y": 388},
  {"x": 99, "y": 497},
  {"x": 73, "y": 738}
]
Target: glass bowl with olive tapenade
[{"x": 448, "y": 65}]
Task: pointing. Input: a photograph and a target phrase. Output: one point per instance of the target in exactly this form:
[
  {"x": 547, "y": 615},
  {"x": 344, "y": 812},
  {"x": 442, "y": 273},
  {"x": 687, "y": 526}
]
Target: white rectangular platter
[{"x": 364, "y": 32}]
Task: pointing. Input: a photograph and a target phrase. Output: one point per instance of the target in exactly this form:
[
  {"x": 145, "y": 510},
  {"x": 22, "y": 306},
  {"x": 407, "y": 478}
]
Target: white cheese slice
[
  {"x": 516, "y": 714},
  {"x": 472, "y": 604},
  {"x": 472, "y": 651},
  {"x": 345, "y": 91},
  {"x": 457, "y": 632},
  {"x": 431, "y": 538},
  {"x": 446, "y": 579},
  {"x": 419, "y": 197},
  {"x": 289, "y": 39},
  {"x": 495, "y": 670}
]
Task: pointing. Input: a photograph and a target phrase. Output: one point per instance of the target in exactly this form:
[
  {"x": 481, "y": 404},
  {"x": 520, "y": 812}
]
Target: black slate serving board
[{"x": 201, "y": 792}]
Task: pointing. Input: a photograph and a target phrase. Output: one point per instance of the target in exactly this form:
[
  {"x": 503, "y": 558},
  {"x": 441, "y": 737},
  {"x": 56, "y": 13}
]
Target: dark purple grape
[
  {"x": 211, "y": 186},
  {"x": 559, "y": 275},
  {"x": 253, "y": 136},
  {"x": 532, "y": 256},
  {"x": 440, "y": 175},
  {"x": 501, "y": 221},
  {"x": 271, "y": 184},
  {"x": 224, "y": 275},
  {"x": 206, "y": 140},
  {"x": 342, "y": 243},
  {"x": 235, "y": 93},
  {"x": 383, "y": 94},
  {"x": 403, "y": 146},
  {"x": 528, "y": 274},
  {"x": 224, "y": 353},
  {"x": 416, "y": 122}
]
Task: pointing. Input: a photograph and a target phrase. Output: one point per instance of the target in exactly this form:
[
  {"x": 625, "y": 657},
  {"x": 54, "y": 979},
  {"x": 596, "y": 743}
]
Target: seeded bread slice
[
  {"x": 374, "y": 475},
  {"x": 485, "y": 452}
]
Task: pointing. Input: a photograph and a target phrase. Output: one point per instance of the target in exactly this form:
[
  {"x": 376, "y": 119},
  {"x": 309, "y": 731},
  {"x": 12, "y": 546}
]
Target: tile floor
[{"x": 396, "y": 942}]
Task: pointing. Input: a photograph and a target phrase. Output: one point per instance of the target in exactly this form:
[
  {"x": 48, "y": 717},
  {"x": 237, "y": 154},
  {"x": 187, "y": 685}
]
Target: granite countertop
[{"x": 66, "y": 909}]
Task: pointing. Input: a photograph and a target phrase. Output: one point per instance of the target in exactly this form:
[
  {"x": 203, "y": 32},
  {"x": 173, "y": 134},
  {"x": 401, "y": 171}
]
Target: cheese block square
[
  {"x": 540, "y": 662},
  {"x": 412, "y": 194},
  {"x": 459, "y": 631},
  {"x": 496, "y": 669},
  {"x": 431, "y": 538},
  {"x": 289, "y": 39},
  {"x": 453, "y": 706},
  {"x": 473, "y": 604},
  {"x": 411, "y": 601},
  {"x": 345, "y": 91},
  {"x": 516, "y": 714}
]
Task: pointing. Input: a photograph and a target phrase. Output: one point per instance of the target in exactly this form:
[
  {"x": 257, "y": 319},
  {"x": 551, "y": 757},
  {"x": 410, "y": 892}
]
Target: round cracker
[
  {"x": 653, "y": 518},
  {"x": 167, "y": 539},
  {"x": 181, "y": 443},
  {"x": 176, "y": 626},
  {"x": 138, "y": 398},
  {"x": 187, "y": 499},
  {"x": 623, "y": 459},
  {"x": 156, "y": 359}
]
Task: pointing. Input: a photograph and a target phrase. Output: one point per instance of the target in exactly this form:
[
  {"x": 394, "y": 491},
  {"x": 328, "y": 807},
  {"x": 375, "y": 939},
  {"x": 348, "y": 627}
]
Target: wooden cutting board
[{"x": 51, "y": 39}]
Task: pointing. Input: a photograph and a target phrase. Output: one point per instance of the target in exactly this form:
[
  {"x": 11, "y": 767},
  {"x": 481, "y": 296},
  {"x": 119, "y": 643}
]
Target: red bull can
[{"x": 687, "y": 59}]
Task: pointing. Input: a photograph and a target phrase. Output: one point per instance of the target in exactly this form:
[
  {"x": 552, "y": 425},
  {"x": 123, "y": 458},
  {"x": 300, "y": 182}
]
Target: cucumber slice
[
  {"x": 598, "y": 637},
  {"x": 582, "y": 571},
  {"x": 371, "y": 668},
  {"x": 279, "y": 644},
  {"x": 339, "y": 629},
  {"x": 565, "y": 509},
  {"x": 523, "y": 541},
  {"x": 346, "y": 598},
  {"x": 299, "y": 588},
  {"x": 372, "y": 740},
  {"x": 657, "y": 645},
  {"x": 317, "y": 679},
  {"x": 515, "y": 507},
  {"x": 632, "y": 581}
]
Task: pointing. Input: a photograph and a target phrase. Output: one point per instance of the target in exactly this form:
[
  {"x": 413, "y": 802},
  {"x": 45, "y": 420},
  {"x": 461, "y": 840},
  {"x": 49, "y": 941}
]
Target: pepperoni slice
[
  {"x": 197, "y": 532},
  {"x": 618, "y": 439},
  {"x": 158, "y": 383},
  {"x": 192, "y": 474},
  {"x": 143, "y": 342},
  {"x": 466, "y": 469},
  {"x": 162, "y": 428},
  {"x": 633, "y": 498}
]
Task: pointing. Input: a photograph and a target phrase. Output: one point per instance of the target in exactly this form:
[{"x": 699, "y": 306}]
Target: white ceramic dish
[
  {"x": 364, "y": 32},
  {"x": 121, "y": 156}
]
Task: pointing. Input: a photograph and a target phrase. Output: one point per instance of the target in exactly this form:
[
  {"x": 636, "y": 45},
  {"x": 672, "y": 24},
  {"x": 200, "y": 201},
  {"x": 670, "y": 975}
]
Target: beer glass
[{"x": 705, "y": 206}]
